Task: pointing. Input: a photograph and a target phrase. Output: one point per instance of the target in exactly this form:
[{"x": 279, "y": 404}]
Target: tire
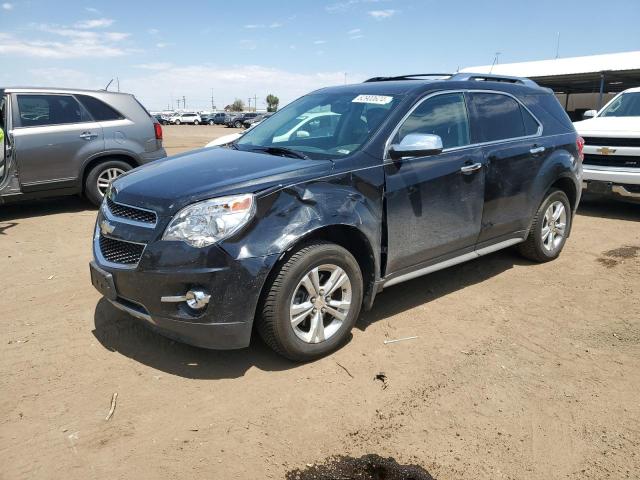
[
  {"x": 196, "y": 122},
  {"x": 177, "y": 122},
  {"x": 211, "y": 122},
  {"x": 102, "y": 171},
  {"x": 238, "y": 124},
  {"x": 275, "y": 318},
  {"x": 543, "y": 243}
]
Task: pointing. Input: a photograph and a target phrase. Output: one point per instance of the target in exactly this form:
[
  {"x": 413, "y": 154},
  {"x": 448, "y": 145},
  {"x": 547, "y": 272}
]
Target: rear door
[
  {"x": 434, "y": 203},
  {"x": 514, "y": 152},
  {"x": 53, "y": 135}
]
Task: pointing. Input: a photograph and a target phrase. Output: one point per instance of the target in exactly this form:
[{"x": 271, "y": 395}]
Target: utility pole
[
  {"x": 255, "y": 102},
  {"x": 213, "y": 107},
  {"x": 345, "y": 78},
  {"x": 184, "y": 103},
  {"x": 118, "y": 82}
]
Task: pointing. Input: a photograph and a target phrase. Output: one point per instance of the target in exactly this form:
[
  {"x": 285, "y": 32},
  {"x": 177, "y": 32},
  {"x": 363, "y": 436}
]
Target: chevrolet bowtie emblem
[
  {"x": 606, "y": 150},
  {"x": 106, "y": 228}
]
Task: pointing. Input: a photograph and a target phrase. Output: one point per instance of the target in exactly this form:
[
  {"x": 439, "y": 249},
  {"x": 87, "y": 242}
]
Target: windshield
[
  {"x": 626, "y": 105},
  {"x": 322, "y": 125}
]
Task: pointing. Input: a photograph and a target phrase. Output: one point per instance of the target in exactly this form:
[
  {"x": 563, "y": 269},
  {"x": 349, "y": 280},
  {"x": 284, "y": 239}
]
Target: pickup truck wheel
[
  {"x": 549, "y": 229},
  {"x": 196, "y": 122},
  {"x": 237, "y": 124},
  {"x": 312, "y": 303},
  {"x": 100, "y": 177}
]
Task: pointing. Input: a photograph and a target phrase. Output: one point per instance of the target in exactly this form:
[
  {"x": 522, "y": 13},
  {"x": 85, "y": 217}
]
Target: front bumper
[
  {"x": 169, "y": 269},
  {"x": 612, "y": 181}
]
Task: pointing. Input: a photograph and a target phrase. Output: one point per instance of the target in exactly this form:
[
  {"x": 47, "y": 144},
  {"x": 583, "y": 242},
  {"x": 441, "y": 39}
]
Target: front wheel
[
  {"x": 237, "y": 124},
  {"x": 211, "y": 122},
  {"x": 312, "y": 303},
  {"x": 550, "y": 228},
  {"x": 177, "y": 122},
  {"x": 196, "y": 122},
  {"x": 101, "y": 176}
]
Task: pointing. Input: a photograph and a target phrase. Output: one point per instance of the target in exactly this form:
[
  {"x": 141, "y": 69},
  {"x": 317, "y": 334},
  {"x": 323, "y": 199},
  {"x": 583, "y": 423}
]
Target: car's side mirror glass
[
  {"x": 589, "y": 114},
  {"x": 416, "y": 145}
]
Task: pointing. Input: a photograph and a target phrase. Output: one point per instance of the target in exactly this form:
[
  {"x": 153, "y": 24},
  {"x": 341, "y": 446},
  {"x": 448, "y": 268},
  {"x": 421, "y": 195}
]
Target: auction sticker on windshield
[{"x": 377, "y": 99}]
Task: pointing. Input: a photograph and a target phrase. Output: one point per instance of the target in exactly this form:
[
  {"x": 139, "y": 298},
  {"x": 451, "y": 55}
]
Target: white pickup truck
[{"x": 612, "y": 147}]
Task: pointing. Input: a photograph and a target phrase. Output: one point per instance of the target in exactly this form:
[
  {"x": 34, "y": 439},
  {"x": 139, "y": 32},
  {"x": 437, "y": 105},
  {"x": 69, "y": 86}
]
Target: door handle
[
  {"x": 469, "y": 169},
  {"x": 536, "y": 150},
  {"x": 88, "y": 135}
]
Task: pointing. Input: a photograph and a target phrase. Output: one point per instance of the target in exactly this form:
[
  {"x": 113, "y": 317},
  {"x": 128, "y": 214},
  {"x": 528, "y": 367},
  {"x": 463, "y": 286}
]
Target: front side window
[
  {"x": 443, "y": 115},
  {"x": 321, "y": 125},
  {"x": 626, "y": 105},
  {"x": 499, "y": 117},
  {"x": 41, "y": 110},
  {"x": 100, "y": 111}
]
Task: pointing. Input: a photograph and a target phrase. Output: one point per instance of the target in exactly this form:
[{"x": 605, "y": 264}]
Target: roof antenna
[
  {"x": 495, "y": 61},
  {"x": 107, "y": 87}
]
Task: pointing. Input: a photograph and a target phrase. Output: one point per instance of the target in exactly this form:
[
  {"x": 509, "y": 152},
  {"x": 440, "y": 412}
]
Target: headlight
[{"x": 210, "y": 221}]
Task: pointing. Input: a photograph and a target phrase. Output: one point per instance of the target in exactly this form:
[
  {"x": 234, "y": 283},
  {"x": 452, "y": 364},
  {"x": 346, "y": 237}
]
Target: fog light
[{"x": 196, "y": 299}]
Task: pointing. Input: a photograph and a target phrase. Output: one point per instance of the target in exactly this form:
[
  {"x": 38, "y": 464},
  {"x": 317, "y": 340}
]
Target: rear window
[
  {"x": 499, "y": 117},
  {"x": 99, "y": 110},
  {"x": 42, "y": 110}
]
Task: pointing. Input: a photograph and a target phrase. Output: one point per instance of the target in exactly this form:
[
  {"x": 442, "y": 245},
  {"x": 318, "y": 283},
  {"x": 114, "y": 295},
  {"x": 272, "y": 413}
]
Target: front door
[
  {"x": 434, "y": 204},
  {"x": 53, "y": 136},
  {"x": 514, "y": 153}
]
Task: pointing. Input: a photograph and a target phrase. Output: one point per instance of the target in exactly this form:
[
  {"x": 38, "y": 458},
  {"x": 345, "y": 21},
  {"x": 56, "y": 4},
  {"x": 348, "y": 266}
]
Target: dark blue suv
[{"x": 299, "y": 223}]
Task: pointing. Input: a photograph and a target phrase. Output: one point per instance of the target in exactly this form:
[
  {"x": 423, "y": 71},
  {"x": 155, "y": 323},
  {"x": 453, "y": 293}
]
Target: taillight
[
  {"x": 580, "y": 145},
  {"x": 158, "y": 129}
]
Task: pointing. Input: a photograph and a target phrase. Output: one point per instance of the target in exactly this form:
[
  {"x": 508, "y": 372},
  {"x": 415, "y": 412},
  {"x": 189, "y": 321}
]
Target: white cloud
[
  {"x": 275, "y": 25},
  {"x": 7, "y": 6},
  {"x": 319, "y": 42},
  {"x": 253, "y": 26},
  {"x": 64, "y": 42},
  {"x": 153, "y": 31},
  {"x": 354, "y": 31},
  {"x": 94, "y": 23},
  {"x": 382, "y": 14},
  {"x": 163, "y": 45},
  {"x": 356, "y": 37},
  {"x": 345, "y": 5},
  {"x": 248, "y": 45},
  {"x": 95, "y": 11},
  {"x": 155, "y": 66}
]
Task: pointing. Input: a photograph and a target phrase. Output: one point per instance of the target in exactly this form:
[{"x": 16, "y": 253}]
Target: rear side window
[
  {"x": 444, "y": 115},
  {"x": 100, "y": 111},
  {"x": 41, "y": 110},
  {"x": 499, "y": 117}
]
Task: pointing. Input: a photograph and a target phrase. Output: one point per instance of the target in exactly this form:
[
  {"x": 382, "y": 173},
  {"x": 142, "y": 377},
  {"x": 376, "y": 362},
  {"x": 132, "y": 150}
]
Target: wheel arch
[{"x": 93, "y": 162}]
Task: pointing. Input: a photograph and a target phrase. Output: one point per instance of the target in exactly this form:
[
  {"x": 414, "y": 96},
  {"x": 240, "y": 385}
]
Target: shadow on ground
[
  {"x": 606, "y": 208},
  {"x": 119, "y": 332},
  {"x": 43, "y": 207}
]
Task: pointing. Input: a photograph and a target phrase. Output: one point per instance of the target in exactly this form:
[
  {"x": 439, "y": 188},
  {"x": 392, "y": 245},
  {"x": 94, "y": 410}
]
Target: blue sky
[{"x": 164, "y": 50}]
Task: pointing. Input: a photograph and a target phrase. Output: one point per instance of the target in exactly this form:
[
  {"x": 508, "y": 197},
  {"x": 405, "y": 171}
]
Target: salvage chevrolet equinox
[{"x": 297, "y": 225}]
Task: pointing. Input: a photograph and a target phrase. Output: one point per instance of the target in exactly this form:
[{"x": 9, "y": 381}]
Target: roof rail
[
  {"x": 414, "y": 76},
  {"x": 465, "y": 77}
]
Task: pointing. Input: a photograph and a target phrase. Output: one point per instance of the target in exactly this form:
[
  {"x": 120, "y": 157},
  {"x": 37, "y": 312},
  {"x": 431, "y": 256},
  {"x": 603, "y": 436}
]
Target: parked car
[
  {"x": 297, "y": 236},
  {"x": 612, "y": 147},
  {"x": 64, "y": 141},
  {"x": 309, "y": 125},
  {"x": 257, "y": 119},
  {"x": 162, "y": 119},
  {"x": 180, "y": 118},
  {"x": 238, "y": 119},
  {"x": 212, "y": 118}
]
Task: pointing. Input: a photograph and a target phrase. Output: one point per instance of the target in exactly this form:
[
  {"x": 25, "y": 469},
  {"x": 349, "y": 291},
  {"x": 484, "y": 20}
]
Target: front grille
[
  {"x": 612, "y": 142},
  {"x": 612, "y": 160},
  {"x": 131, "y": 213},
  {"x": 118, "y": 251}
]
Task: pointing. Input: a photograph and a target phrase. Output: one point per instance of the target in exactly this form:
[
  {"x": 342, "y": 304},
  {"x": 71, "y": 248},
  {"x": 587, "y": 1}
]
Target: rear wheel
[
  {"x": 196, "y": 122},
  {"x": 211, "y": 122},
  {"x": 237, "y": 124},
  {"x": 177, "y": 122},
  {"x": 100, "y": 177},
  {"x": 312, "y": 303},
  {"x": 550, "y": 228}
]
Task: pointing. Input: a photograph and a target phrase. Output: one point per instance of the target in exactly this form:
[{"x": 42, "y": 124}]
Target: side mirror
[
  {"x": 302, "y": 134},
  {"x": 589, "y": 114},
  {"x": 416, "y": 145}
]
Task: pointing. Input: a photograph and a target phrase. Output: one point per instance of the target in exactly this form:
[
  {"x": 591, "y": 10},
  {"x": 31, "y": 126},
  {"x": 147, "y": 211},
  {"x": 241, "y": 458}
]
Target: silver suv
[{"x": 63, "y": 141}]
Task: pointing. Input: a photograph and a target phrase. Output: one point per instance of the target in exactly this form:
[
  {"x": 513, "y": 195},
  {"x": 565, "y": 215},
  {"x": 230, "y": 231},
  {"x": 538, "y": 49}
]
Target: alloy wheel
[
  {"x": 320, "y": 303},
  {"x": 106, "y": 177},
  {"x": 554, "y": 226}
]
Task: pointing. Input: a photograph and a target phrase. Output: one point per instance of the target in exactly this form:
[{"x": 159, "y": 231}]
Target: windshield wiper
[{"x": 282, "y": 151}]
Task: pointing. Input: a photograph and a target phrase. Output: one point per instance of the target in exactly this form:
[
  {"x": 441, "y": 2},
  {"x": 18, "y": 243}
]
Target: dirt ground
[{"x": 519, "y": 371}]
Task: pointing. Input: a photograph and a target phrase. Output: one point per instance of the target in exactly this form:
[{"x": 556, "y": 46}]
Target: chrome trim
[
  {"x": 468, "y": 169},
  {"x": 131, "y": 311},
  {"x": 537, "y": 150},
  {"x": 103, "y": 261},
  {"x": 538, "y": 134},
  {"x": 620, "y": 190},
  {"x": 452, "y": 261},
  {"x": 111, "y": 216}
]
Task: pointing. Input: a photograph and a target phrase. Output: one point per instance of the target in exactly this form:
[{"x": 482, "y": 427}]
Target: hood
[
  {"x": 610, "y": 126},
  {"x": 169, "y": 184}
]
